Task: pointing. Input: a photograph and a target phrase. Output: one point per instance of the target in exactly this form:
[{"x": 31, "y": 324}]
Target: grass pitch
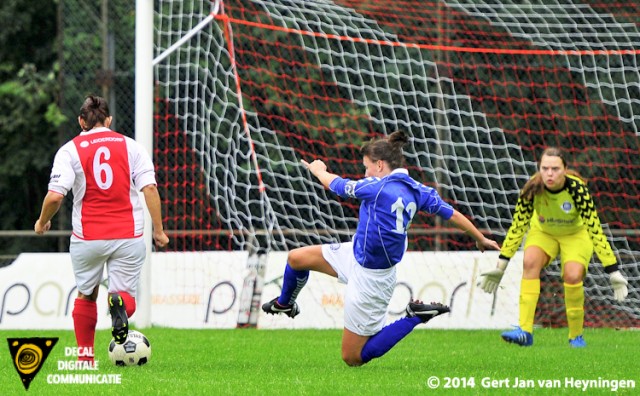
[{"x": 307, "y": 362}]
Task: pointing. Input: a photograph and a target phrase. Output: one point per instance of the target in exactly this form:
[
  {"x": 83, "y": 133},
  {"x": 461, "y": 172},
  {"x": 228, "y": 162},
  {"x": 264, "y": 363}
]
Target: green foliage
[
  {"x": 28, "y": 142},
  {"x": 28, "y": 122},
  {"x": 28, "y": 116},
  {"x": 307, "y": 362},
  {"x": 40, "y": 98},
  {"x": 27, "y": 35}
]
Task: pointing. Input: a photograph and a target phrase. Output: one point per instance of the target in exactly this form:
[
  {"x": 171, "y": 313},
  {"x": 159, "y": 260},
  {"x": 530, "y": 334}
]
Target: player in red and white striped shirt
[{"x": 105, "y": 171}]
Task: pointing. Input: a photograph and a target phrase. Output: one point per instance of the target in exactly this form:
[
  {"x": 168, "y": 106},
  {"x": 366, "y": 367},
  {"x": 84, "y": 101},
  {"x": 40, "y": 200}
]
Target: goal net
[{"x": 245, "y": 89}]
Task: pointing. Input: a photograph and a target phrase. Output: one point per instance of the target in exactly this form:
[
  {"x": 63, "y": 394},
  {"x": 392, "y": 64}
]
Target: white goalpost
[{"x": 144, "y": 135}]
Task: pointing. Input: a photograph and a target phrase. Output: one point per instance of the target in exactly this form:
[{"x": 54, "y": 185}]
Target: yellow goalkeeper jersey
[{"x": 562, "y": 212}]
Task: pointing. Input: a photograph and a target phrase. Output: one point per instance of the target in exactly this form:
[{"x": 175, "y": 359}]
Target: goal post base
[{"x": 251, "y": 293}]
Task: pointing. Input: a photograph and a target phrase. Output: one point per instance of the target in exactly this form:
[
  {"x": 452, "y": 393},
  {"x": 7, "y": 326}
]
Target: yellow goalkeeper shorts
[{"x": 573, "y": 247}]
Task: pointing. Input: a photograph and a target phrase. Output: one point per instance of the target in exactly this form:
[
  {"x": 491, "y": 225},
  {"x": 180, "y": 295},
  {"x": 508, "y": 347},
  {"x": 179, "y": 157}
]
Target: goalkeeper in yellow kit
[{"x": 557, "y": 213}]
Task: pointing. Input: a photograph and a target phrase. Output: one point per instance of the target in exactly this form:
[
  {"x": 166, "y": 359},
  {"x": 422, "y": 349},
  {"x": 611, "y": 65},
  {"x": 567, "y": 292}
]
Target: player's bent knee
[
  {"x": 352, "y": 360},
  {"x": 296, "y": 259},
  {"x": 352, "y": 363},
  {"x": 572, "y": 280}
]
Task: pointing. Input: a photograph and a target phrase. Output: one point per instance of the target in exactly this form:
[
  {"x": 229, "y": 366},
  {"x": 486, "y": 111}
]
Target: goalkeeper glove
[
  {"x": 619, "y": 285},
  {"x": 492, "y": 278}
]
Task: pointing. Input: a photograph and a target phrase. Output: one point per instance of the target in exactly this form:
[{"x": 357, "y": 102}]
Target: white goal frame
[
  {"x": 144, "y": 135},
  {"x": 144, "y": 64}
]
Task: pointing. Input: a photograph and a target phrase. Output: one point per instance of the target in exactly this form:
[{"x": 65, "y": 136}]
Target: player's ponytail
[
  {"x": 94, "y": 110},
  {"x": 398, "y": 139}
]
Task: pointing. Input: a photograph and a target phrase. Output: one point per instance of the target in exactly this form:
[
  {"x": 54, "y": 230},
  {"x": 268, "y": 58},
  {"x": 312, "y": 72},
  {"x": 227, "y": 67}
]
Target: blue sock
[
  {"x": 386, "y": 338},
  {"x": 293, "y": 282}
]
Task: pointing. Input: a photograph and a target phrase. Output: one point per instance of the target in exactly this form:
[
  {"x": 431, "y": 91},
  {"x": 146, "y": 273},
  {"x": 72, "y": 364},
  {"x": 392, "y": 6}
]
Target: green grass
[{"x": 307, "y": 362}]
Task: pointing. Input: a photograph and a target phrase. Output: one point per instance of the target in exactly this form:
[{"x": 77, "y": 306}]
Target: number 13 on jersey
[{"x": 399, "y": 208}]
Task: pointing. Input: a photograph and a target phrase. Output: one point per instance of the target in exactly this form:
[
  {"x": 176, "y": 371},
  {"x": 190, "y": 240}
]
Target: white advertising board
[
  {"x": 202, "y": 290},
  {"x": 37, "y": 291},
  {"x": 197, "y": 289}
]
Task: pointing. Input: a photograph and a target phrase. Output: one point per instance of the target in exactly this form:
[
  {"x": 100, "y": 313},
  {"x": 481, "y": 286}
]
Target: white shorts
[
  {"x": 124, "y": 259},
  {"x": 368, "y": 290}
]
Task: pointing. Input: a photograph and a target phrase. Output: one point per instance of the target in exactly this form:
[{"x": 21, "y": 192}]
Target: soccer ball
[{"x": 135, "y": 351}]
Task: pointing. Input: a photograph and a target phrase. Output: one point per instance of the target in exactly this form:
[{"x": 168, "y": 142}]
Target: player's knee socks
[
  {"x": 129, "y": 303},
  {"x": 529, "y": 293},
  {"x": 85, "y": 317},
  {"x": 387, "y": 338},
  {"x": 574, "y": 304},
  {"x": 293, "y": 282}
]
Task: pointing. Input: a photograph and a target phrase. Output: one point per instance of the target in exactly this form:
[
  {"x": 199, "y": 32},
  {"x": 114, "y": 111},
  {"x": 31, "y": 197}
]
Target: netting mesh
[{"x": 481, "y": 88}]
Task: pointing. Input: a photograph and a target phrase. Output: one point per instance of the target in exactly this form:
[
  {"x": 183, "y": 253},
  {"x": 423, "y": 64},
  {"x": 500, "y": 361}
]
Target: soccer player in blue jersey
[{"x": 390, "y": 199}]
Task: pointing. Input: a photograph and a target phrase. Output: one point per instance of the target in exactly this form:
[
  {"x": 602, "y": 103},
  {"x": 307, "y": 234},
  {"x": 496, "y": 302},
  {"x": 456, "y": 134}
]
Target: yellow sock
[
  {"x": 529, "y": 293},
  {"x": 574, "y": 304}
]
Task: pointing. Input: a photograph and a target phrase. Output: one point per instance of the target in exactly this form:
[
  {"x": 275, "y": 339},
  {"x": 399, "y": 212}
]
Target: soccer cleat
[
  {"x": 518, "y": 336},
  {"x": 577, "y": 342},
  {"x": 425, "y": 312},
  {"x": 119, "y": 319},
  {"x": 273, "y": 307}
]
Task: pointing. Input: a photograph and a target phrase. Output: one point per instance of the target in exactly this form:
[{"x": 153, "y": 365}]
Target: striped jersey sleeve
[
  {"x": 519, "y": 227},
  {"x": 587, "y": 210}
]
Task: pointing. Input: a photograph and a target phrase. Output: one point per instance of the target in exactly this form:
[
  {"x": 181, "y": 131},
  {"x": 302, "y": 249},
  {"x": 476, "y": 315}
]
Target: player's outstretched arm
[
  {"x": 482, "y": 243},
  {"x": 152, "y": 199},
  {"x": 319, "y": 170},
  {"x": 50, "y": 206}
]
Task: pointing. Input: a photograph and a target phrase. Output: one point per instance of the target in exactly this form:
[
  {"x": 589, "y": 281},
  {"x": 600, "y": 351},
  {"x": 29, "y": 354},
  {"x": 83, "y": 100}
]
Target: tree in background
[
  {"x": 29, "y": 116},
  {"x": 53, "y": 54}
]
